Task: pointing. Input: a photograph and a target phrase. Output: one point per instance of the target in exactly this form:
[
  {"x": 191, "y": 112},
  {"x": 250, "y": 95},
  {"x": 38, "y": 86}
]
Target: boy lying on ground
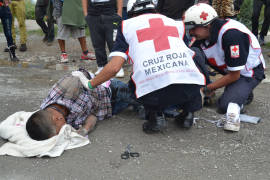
[{"x": 69, "y": 102}]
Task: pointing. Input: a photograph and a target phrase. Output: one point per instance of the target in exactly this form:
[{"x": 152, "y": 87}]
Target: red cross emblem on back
[
  {"x": 204, "y": 15},
  {"x": 159, "y": 33}
]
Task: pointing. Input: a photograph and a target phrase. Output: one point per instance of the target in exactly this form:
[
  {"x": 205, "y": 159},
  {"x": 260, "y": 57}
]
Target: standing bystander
[
  {"x": 44, "y": 8},
  {"x": 102, "y": 17},
  {"x": 257, "y": 6},
  {"x": 6, "y": 19},
  {"x": 70, "y": 25},
  {"x": 17, "y": 8}
]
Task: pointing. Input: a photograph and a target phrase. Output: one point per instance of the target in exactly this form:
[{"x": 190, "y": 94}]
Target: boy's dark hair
[{"x": 39, "y": 126}]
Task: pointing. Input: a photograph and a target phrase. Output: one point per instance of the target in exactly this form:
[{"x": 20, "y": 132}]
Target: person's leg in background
[
  {"x": 111, "y": 25},
  {"x": 62, "y": 45},
  {"x": 86, "y": 55},
  {"x": 62, "y": 35},
  {"x": 12, "y": 7},
  {"x": 6, "y": 19},
  {"x": 22, "y": 27},
  {"x": 18, "y": 11},
  {"x": 50, "y": 23},
  {"x": 266, "y": 22},
  {"x": 257, "y": 6},
  {"x": 40, "y": 12},
  {"x": 97, "y": 35}
]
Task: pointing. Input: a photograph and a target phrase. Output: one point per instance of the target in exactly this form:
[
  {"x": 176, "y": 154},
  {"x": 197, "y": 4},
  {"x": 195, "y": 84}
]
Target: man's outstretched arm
[{"x": 88, "y": 126}]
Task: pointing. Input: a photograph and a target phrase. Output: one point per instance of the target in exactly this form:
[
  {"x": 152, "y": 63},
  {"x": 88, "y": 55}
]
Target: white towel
[{"x": 21, "y": 145}]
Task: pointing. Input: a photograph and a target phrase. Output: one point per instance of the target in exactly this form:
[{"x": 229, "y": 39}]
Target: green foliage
[
  {"x": 246, "y": 13},
  {"x": 30, "y": 9},
  {"x": 267, "y": 44}
]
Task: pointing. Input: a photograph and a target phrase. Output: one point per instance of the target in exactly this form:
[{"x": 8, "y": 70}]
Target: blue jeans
[
  {"x": 122, "y": 97},
  {"x": 6, "y": 18}
]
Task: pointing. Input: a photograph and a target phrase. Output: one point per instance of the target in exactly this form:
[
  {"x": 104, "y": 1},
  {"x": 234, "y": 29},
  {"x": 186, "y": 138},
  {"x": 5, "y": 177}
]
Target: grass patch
[
  {"x": 29, "y": 9},
  {"x": 37, "y": 32},
  {"x": 87, "y": 33},
  {"x": 245, "y": 14},
  {"x": 267, "y": 45}
]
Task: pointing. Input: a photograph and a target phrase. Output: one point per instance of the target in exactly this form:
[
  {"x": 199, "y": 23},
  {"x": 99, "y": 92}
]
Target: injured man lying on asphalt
[{"x": 69, "y": 102}]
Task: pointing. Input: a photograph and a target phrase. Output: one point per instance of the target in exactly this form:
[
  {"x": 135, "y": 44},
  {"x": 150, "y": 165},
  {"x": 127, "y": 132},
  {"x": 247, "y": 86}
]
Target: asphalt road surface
[{"x": 203, "y": 152}]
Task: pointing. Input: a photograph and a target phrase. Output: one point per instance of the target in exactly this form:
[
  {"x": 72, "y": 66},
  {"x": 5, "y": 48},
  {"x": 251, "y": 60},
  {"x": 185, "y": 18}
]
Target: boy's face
[{"x": 58, "y": 120}]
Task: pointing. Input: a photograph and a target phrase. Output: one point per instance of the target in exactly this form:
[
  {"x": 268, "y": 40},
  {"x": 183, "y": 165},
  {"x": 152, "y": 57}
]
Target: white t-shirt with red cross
[{"x": 154, "y": 44}]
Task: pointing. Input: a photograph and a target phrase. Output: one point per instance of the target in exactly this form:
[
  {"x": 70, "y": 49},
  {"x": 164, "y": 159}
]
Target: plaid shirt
[{"x": 80, "y": 102}]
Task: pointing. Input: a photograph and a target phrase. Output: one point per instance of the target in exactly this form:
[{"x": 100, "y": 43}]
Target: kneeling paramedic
[
  {"x": 164, "y": 72},
  {"x": 235, "y": 52}
]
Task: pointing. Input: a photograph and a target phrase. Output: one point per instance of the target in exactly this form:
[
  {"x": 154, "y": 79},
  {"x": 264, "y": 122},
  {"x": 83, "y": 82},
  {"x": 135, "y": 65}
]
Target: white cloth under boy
[{"x": 20, "y": 144}]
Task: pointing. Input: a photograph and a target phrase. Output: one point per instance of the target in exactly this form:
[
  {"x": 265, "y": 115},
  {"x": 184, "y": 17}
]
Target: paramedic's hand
[
  {"x": 82, "y": 78},
  {"x": 207, "y": 92}
]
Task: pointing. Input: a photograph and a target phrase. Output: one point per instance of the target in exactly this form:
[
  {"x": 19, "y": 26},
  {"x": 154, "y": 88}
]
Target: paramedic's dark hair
[{"x": 141, "y": 7}]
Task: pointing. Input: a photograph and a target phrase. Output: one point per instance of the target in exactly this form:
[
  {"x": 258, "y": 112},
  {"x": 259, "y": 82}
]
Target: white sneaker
[
  {"x": 98, "y": 71},
  {"x": 64, "y": 58},
  {"x": 120, "y": 73},
  {"x": 232, "y": 118}
]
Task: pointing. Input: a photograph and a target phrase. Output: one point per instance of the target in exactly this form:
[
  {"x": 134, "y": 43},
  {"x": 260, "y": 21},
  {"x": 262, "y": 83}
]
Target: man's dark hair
[{"x": 39, "y": 126}]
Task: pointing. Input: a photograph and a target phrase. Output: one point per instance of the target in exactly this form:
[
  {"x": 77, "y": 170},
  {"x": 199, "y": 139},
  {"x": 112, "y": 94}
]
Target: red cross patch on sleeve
[{"x": 235, "y": 51}]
